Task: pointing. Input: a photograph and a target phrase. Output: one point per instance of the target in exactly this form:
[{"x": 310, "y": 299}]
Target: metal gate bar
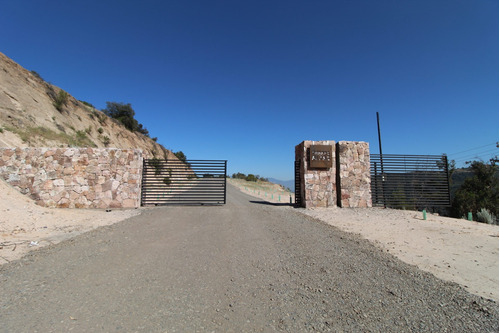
[
  {"x": 298, "y": 197},
  {"x": 174, "y": 182},
  {"x": 410, "y": 181}
]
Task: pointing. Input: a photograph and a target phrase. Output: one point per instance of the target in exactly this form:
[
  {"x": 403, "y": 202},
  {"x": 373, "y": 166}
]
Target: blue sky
[{"x": 246, "y": 81}]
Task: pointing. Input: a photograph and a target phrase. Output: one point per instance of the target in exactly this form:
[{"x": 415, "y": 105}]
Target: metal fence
[
  {"x": 298, "y": 193},
  {"x": 193, "y": 182},
  {"x": 410, "y": 181}
]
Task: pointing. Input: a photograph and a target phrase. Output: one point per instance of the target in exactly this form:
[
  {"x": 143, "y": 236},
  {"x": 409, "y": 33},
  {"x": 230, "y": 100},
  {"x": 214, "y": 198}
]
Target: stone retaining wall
[{"x": 75, "y": 177}]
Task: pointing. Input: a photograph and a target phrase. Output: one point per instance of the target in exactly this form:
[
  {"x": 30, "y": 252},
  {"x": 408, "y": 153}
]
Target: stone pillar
[
  {"x": 353, "y": 174},
  {"x": 317, "y": 173}
]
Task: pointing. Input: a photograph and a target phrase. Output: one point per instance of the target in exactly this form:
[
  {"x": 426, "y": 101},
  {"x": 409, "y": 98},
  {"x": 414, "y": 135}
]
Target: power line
[
  {"x": 479, "y": 153},
  {"x": 464, "y": 151},
  {"x": 476, "y": 155}
]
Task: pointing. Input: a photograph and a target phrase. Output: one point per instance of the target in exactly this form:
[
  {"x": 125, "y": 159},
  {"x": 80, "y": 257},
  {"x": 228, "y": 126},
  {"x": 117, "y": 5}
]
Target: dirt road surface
[{"x": 242, "y": 267}]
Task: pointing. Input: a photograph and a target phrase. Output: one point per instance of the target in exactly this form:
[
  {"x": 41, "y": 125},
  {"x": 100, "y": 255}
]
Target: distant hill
[
  {"x": 286, "y": 183},
  {"x": 35, "y": 113}
]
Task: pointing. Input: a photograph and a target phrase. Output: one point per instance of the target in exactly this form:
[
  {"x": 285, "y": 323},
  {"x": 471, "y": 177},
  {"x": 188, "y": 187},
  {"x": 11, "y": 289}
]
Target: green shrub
[
  {"x": 251, "y": 178},
  {"x": 125, "y": 115},
  {"x": 479, "y": 191},
  {"x": 486, "y": 216},
  {"x": 88, "y": 104},
  {"x": 100, "y": 130},
  {"x": 35, "y": 74},
  {"x": 239, "y": 175},
  {"x": 60, "y": 100},
  {"x": 181, "y": 156},
  {"x": 106, "y": 140}
]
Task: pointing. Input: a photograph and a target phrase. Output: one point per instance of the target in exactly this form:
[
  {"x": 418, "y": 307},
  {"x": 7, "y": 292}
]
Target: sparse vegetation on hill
[
  {"x": 35, "y": 113},
  {"x": 249, "y": 178}
]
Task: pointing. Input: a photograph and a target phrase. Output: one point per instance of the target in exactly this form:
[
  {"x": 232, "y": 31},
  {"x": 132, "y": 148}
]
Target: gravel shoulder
[
  {"x": 454, "y": 250},
  {"x": 247, "y": 266}
]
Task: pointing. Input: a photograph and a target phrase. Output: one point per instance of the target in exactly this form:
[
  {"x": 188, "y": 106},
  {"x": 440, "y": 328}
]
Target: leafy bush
[
  {"x": 101, "y": 117},
  {"x": 239, "y": 175},
  {"x": 60, "y": 100},
  {"x": 251, "y": 178},
  {"x": 100, "y": 130},
  {"x": 125, "y": 115},
  {"x": 180, "y": 155},
  {"x": 35, "y": 74},
  {"x": 479, "y": 191},
  {"x": 88, "y": 104},
  {"x": 105, "y": 140},
  {"x": 485, "y": 216}
]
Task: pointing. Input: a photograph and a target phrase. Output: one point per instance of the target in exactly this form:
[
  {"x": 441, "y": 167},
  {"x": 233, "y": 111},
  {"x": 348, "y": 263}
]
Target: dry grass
[{"x": 45, "y": 134}]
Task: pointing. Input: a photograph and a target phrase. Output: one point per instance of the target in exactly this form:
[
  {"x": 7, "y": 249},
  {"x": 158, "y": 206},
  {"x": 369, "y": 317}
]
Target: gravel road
[{"x": 243, "y": 267}]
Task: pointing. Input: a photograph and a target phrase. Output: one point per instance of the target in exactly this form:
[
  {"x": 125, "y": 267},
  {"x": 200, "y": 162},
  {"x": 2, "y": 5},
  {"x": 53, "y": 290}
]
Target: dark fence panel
[
  {"x": 173, "y": 182},
  {"x": 298, "y": 193},
  {"x": 410, "y": 181}
]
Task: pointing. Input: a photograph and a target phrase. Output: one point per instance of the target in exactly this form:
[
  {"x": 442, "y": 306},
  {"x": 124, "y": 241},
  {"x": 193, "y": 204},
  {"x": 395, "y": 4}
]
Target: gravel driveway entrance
[{"x": 242, "y": 267}]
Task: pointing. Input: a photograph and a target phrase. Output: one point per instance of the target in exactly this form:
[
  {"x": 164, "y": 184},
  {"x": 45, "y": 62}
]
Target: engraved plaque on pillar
[{"x": 320, "y": 156}]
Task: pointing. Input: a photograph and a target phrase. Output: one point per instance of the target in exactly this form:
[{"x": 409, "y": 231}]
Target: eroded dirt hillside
[{"x": 30, "y": 116}]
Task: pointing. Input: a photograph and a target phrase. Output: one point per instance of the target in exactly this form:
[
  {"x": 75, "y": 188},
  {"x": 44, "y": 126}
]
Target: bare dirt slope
[{"x": 29, "y": 118}]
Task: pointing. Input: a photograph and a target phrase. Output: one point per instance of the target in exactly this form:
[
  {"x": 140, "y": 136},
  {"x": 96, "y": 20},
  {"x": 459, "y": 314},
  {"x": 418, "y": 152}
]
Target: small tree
[
  {"x": 125, "y": 115},
  {"x": 180, "y": 155},
  {"x": 239, "y": 175},
  {"x": 60, "y": 100},
  {"x": 251, "y": 178},
  {"x": 479, "y": 191}
]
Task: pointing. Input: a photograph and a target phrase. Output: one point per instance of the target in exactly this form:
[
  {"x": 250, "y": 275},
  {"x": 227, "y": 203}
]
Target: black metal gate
[
  {"x": 174, "y": 182},
  {"x": 409, "y": 181},
  {"x": 298, "y": 194}
]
